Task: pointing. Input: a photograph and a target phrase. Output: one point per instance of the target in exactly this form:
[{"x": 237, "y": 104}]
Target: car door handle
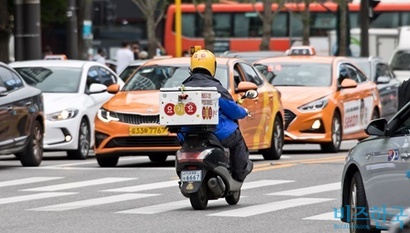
[{"x": 10, "y": 108}]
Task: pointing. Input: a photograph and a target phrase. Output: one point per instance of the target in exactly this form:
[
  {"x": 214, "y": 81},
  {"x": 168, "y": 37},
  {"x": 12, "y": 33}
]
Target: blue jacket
[{"x": 229, "y": 110}]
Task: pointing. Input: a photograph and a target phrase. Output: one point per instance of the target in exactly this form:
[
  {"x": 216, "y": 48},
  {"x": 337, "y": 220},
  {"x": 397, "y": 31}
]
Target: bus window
[
  {"x": 405, "y": 18},
  {"x": 385, "y": 20},
  {"x": 188, "y": 25},
  {"x": 296, "y": 25}
]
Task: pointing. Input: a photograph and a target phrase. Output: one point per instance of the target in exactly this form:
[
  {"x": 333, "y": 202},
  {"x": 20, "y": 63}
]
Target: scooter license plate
[{"x": 191, "y": 176}]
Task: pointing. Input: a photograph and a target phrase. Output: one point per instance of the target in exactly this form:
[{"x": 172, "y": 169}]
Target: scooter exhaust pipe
[{"x": 216, "y": 185}]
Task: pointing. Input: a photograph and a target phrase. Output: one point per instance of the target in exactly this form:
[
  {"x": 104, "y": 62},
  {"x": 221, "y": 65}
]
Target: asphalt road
[{"x": 298, "y": 193}]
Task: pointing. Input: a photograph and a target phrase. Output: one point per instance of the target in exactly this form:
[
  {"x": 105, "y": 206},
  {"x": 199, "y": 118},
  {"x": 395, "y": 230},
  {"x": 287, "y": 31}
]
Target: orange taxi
[
  {"x": 128, "y": 124},
  {"x": 326, "y": 99}
]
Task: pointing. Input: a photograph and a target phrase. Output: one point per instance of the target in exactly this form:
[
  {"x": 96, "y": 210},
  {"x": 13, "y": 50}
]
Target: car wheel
[
  {"x": 357, "y": 203},
  {"x": 336, "y": 134},
  {"x": 158, "y": 157},
  {"x": 33, "y": 153},
  {"x": 199, "y": 199},
  {"x": 276, "y": 149},
  {"x": 84, "y": 138},
  {"x": 110, "y": 161}
]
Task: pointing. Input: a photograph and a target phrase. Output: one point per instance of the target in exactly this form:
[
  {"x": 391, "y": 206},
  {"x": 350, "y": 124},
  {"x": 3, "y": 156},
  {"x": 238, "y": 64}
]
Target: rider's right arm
[{"x": 231, "y": 109}]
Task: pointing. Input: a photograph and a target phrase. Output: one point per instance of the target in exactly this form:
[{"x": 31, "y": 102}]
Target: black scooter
[{"x": 202, "y": 164}]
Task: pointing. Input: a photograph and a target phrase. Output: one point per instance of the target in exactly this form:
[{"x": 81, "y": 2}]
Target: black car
[
  {"x": 21, "y": 118},
  {"x": 379, "y": 71}
]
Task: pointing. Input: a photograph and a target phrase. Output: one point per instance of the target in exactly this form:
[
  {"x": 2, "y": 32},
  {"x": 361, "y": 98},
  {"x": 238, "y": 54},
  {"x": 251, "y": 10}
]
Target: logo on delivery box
[{"x": 180, "y": 109}]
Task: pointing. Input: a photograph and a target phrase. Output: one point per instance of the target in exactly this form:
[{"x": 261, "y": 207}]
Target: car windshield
[
  {"x": 52, "y": 79},
  {"x": 127, "y": 72},
  {"x": 297, "y": 74},
  {"x": 156, "y": 77},
  {"x": 401, "y": 60}
]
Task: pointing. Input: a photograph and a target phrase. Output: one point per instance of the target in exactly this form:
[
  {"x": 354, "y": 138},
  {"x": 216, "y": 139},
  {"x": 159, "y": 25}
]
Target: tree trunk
[
  {"x": 306, "y": 23},
  {"x": 267, "y": 19},
  {"x": 342, "y": 28},
  {"x": 209, "y": 34},
  {"x": 151, "y": 36},
  {"x": 5, "y": 32}
]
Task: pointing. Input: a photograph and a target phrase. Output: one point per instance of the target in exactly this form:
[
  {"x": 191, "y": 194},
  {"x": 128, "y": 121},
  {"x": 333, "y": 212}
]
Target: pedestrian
[
  {"x": 99, "y": 56},
  {"x": 135, "y": 47},
  {"x": 124, "y": 57}
]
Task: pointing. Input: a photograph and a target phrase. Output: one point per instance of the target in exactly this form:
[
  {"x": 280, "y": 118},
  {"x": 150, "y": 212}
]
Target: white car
[{"x": 73, "y": 92}]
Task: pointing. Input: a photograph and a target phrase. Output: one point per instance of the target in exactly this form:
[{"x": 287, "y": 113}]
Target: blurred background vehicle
[
  {"x": 375, "y": 178},
  {"x": 378, "y": 71},
  {"x": 128, "y": 124},
  {"x": 252, "y": 56},
  {"x": 400, "y": 63},
  {"x": 73, "y": 92},
  {"x": 21, "y": 118},
  {"x": 326, "y": 99}
]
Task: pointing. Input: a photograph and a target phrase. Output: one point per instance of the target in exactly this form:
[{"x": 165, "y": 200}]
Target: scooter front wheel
[
  {"x": 233, "y": 198},
  {"x": 199, "y": 199}
]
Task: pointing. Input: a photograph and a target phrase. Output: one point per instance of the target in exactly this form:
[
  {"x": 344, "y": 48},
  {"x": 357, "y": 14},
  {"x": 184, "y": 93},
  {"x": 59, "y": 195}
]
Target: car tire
[
  {"x": 277, "y": 141},
  {"x": 159, "y": 158},
  {"x": 199, "y": 199},
  {"x": 84, "y": 141},
  {"x": 110, "y": 161},
  {"x": 357, "y": 203},
  {"x": 336, "y": 136},
  {"x": 32, "y": 155}
]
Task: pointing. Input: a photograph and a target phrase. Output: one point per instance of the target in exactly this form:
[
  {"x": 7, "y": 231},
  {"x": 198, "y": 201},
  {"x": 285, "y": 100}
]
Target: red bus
[{"x": 237, "y": 27}]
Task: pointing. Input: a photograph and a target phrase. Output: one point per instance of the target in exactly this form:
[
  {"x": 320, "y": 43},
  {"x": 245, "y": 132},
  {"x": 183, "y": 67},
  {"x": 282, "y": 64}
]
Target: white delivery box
[{"x": 188, "y": 106}]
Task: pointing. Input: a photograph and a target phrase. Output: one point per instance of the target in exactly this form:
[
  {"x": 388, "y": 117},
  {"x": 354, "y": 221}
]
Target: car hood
[
  {"x": 302, "y": 95},
  {"x": 54, "y": 102},
  {"x": 145, "y": 102}
]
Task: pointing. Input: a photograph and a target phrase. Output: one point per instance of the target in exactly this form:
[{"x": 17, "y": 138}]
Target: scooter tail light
[{"x": 192, "y": 156}]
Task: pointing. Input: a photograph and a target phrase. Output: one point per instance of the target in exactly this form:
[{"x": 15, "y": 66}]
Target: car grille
[
  {"x": 148, "y": 141},
  {"x": 138, "y": 119},
  {"x": 289, "y": 116}
]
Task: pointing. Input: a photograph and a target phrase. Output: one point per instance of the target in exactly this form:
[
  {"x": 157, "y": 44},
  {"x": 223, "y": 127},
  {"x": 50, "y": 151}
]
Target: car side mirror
[
  {"x": 377, "y": 127},
  {"x": 3, "y": 91},
  {"x": 245, "y": 86},
  {"x": 96, "y": 88},
  {"x": 348, "y": 83},
  {"x": 382, "y": 80},
  {"x": 113, "y": 88}
]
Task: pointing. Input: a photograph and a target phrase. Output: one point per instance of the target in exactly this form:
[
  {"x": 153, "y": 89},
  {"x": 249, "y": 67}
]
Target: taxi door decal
[{"x": 357, "y": 114}]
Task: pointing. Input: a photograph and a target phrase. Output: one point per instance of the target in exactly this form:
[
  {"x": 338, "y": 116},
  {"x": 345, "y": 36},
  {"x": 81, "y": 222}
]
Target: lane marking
[
  {"x": 324, "y": 216},
  {"x": 79, "y": 184},
  {"x": 308, "y": 190},
  {"x": 270, "y": 207},
  {"x": 145, "y": 187},
  {"x": 263, "y": 183},
  {"x": 27, "y": 181},
  {"x": 30, "y": 197},
  {"x": 94, "y": 202}
]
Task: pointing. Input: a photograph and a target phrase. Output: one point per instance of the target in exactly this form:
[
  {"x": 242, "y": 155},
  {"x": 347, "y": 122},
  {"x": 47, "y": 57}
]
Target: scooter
[{"x": 202, "y": 165}]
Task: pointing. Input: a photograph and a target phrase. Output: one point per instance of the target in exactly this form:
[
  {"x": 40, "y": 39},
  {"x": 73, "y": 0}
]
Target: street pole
[
  {"x": 18, "y": 31},
  {"x": 364, "y": 28},
  {"x": 72, "y": 32},
  {"x": 178, "y": 29}
]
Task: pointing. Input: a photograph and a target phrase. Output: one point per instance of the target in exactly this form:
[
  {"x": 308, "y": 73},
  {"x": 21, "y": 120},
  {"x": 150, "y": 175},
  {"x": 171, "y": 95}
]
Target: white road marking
[
  {"x": 144, "y": 187},
  {"x": 79, "y": 184},
  {"x": 94, "y": 202},
  {"x": 309, "y": 190},
  {"x": 262, "y": 183},
  {"x": 270, "y": 207},
  {"x": 27, "y": 181},
  {"x": 30, "y": 197},
  {"x": 324, "y": 216}
]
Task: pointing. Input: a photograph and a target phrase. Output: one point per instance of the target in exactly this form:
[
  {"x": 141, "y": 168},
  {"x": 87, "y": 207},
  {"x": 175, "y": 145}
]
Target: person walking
[{"x": 124, "y": 57}]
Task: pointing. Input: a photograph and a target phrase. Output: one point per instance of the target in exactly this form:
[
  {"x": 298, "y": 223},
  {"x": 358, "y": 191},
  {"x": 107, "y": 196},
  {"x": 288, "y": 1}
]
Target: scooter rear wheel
[
  {"x": 199, "y": 200},
  {"x": 233, "y": 198}
]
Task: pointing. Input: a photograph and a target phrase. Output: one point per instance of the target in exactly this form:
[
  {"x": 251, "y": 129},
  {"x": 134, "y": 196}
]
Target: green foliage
[{"x": 53, "y": 12}]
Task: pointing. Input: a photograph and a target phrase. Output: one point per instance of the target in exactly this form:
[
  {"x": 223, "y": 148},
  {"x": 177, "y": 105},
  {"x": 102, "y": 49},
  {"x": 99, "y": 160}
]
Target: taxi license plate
[
  {"x": 147, "y": 131},
  {"x": 191, "y": 176}
]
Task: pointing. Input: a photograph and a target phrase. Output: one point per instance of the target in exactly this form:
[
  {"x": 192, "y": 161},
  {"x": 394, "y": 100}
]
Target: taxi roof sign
[{"x": 301, "y": 51}]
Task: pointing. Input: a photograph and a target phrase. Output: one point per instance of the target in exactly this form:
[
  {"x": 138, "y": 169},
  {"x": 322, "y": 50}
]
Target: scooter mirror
[{"x": 251, "y": 94}]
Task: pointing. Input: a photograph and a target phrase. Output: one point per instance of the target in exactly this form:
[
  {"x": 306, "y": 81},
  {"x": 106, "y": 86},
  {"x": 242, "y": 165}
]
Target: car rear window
[
  {"x": 52, "y": 79},
  {"x": 297, "y": 74},
  {"x": 156, "y": 77},
  {"x": 401, "y": 60}
]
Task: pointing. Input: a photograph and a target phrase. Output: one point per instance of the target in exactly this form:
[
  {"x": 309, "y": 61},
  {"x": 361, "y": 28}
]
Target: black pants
[{"x": 239, "y": 153}]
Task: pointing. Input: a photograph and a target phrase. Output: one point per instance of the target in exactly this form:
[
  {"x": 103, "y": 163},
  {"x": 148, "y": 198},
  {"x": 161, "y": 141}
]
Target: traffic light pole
[
  {"x": 72, "y": 32},
  {"x": 364, "y": 28}
]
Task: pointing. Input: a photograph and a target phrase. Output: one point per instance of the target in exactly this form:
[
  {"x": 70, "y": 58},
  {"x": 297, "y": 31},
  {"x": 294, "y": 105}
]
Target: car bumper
[
  {"x": 113, "y": 138},
  {"x": 62, "y": 135},
  {"x": 307, "y": 127}
]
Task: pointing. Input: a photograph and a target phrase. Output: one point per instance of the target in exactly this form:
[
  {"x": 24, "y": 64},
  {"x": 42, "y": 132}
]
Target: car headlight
[
  {"x": 315, "y": 105},
  {"x": 107, "y": 116},
  {"x": 62, "y": 115}
]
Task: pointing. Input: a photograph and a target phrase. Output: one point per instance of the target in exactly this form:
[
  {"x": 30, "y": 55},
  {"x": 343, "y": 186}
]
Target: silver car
[{"x": 376, "y": 175}]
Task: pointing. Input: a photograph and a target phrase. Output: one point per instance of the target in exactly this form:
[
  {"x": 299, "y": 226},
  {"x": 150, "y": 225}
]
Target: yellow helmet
[{"x": 204, "y": 59}]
